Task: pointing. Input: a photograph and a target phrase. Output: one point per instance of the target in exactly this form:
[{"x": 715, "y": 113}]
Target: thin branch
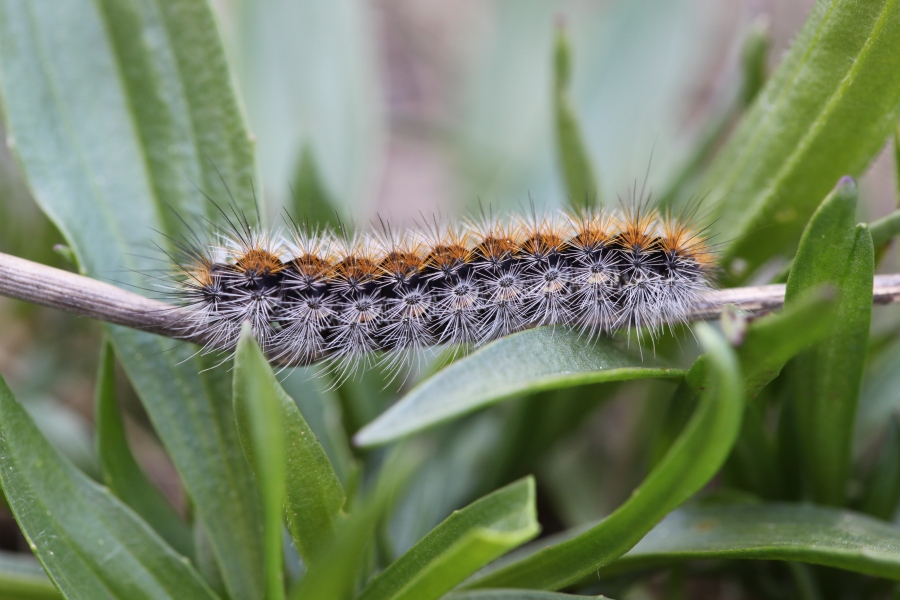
[{"x": 39, "y": 284}]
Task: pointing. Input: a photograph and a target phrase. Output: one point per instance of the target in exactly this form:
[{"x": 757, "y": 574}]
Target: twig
[{"x": 86, "y": 297}]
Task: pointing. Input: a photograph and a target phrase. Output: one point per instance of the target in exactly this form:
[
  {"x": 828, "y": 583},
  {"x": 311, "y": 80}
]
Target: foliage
[{"x": 119, "y": 111}]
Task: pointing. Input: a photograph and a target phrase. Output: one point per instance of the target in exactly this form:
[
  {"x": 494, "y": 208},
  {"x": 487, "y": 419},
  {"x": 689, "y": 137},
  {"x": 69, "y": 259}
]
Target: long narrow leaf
[
  {"x": 121, "y": 472},
  {"x": 117, "y": 112},
  {"x": 805, "y": 533},
  {"x": 825, "y": 112},
  {"x": 825, "y": 380},
  {"x": 257, "y": 409},
  {"x": 466, "y": 541},
  {"x": 313, "y": 495},
  {"x": 691, "y": 462},
  {"x": 573, "y": 156},
  {"x": 526, "y": 362},
  {"x": 91, "y": 545}
]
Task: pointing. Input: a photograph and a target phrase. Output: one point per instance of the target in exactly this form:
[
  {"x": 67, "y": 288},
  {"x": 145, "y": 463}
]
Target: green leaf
[
  {"x": 118, "y": 111},
  {"x": 90, "y": 544},
  {"x": 335, "y": 574},
  {"x": 121, "y": 472},
  {"x": 825, "y": 112},
  {"x": 825, "y": 380},
  {"x": 885, "y": 228},
  {"x": 23, "y": 578},
  {"x": 754, "y": 58},
  {"x": 690, "y": 463},
  {"x": 258, "y": 412},
  {"x": 321, "y": 409},
  {"x": 525, "y": 362},
  {"x": 572, "y": 153},
  {"x": 770, "y": 342},
  {"x": 466, "y": 541},
  {"x": 313, "y": 495},
  {"x": 311, "y": 201},
  {"x": 771, "y": 531}
]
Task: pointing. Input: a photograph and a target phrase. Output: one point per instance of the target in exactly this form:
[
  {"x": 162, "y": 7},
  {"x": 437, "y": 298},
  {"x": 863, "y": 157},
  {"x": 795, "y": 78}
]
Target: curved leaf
[
  {"x": 91, "y": 545},
  {"x": 690, "y": 463},
  {"x": 825, "y": 380},
  {"x": 313, "y": 495},
  {"x": 826, "y": 111},
  {"x": 525, "y": 362},
  {"x": 466, "y": 541},
  {"x": 793, "y": 532},
  {"x": 118, "y": 111}
]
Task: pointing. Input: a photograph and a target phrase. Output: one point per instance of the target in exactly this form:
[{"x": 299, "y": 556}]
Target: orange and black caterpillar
[{"x": 314, "y": 294}]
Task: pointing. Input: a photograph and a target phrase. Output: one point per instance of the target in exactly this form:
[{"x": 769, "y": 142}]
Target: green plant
[{"x": 762, "y": 447}]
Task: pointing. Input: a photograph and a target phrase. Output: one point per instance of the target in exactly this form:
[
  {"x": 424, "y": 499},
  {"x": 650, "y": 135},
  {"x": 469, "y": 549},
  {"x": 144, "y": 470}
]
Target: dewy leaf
[
  {"x": 825, "y": 112},
  {"x": 573, "y": 156},
  {"x": 121, "y": 471},
  {"x": 466, "y": 541},
  {"x": 118, "y": 111},
  {"x": 23, "y": 578},
  {"x": 257, "y": 409},
  {"x": 825, "y": 380},
  {"x": 690, "y": 463},
  {"x": 90, "y": 544},
  {"x": 313, "y": 496},
  {"x": 525, "y": 362},
  {"x": 793, "y": 532}
]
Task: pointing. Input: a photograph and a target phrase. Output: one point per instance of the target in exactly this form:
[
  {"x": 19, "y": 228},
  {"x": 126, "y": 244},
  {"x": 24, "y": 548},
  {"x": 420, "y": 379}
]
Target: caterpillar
[{"x": 311, "y": 294}]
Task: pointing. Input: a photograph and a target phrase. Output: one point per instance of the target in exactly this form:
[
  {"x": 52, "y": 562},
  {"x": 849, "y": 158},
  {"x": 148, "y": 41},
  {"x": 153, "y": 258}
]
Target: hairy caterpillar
[{"x": 312, "y": 294}]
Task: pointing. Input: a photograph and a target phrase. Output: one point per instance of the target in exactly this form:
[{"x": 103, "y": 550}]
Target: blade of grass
[
  {"x": 526, "y": 362},
  {"x": 825, "y": 380},
  {"x": 91, "y": 545},
  {"x": 466, "y": 541},
  {"x": 121, "y": 472},
  {"x": 691, "y": 462},
  {"x": 314, "y": 496}
]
